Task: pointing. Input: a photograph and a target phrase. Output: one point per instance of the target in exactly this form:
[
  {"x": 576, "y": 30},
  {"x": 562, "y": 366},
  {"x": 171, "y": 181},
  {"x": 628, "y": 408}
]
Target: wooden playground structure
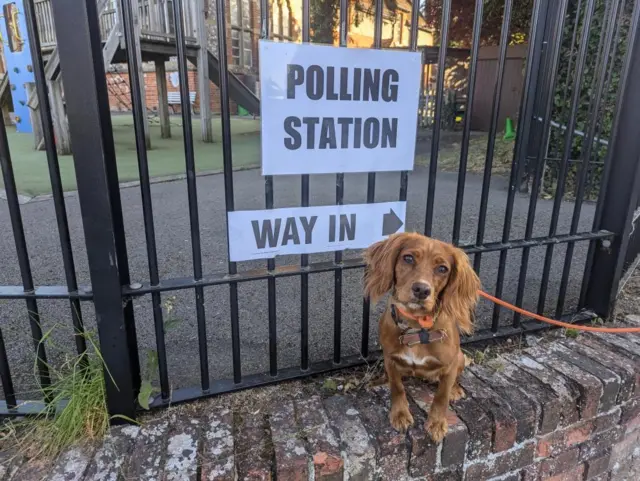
[{"x": 155, "y": 42}]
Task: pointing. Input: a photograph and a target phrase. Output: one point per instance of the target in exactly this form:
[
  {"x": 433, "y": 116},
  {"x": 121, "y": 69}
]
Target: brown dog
[{"x": 433, "y": 294}]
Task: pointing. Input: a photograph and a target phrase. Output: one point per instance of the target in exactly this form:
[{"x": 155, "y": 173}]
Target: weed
[
  {"x": 571, "y": 333},
  {"x": 77, "y": 406}
]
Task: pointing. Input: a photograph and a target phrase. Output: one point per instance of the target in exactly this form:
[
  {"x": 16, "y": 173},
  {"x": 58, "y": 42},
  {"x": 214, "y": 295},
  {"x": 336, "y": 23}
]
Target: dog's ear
[
  {"x": 381, "y": 260},
  {"x": 461, "y": 293}
]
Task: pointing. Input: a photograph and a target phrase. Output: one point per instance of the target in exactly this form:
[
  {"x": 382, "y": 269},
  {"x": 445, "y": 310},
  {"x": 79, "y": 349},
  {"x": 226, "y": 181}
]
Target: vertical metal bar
[
  {"x": 271, "y": 264},
  {"x": 568, "y": 144},
  {"x": 589, "y": 140},
  {"x": 23, "y": 255},
  {"x": 304, "y": 259},
  {"x": 371, "y": 177},
  {"x": 621, "y": 181},
  {"x": 493, "y": 127},
  {"x": 601, "y": 66},
  {"x": 337, "y": 274},
  {"x": 79, "y": 45},
  {"x": 228, "y": 175},
  {"x": 5, "y": 376},
  {"x": 534, "y": 58},
  {"x": 145, "y": 191},
  {"x": 466, "y": 129},
  {"x": 535, "y": 188},
  {"x": 435, "y": 139},
  {"x": 192, "y": 192},
  {"x": 54, "y": 174}
]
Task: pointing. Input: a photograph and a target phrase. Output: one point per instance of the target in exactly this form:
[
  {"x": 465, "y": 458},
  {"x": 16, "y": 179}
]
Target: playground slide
[{"x": 240, "y": 93}]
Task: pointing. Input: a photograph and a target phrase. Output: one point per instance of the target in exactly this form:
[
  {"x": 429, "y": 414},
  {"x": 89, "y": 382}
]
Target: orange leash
[{"x": 557, "y": 323}]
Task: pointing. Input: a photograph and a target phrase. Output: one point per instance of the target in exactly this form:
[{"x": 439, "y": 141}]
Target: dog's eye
[
  {"x": 442, "y": 269},
  {"x": 409, "y": 259}
]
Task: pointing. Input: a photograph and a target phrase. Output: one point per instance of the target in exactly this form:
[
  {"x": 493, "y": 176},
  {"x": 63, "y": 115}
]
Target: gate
[{"x": 568, "y": 264}]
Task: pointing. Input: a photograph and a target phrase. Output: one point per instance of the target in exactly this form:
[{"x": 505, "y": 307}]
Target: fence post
[
  {"x": 84, "y": 81},
  {"x": 621, "y": 183}
]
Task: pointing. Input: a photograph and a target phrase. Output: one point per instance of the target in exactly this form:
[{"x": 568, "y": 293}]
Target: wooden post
[
  {"x": 203, "y": 73},
  {"x": 163, "y": 101},
  {"x": 136, "y": 21},
  {"x": 58, "y": 115}
]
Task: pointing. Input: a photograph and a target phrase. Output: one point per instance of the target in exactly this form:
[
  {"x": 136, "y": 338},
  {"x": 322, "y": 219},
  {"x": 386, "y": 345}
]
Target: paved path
[{"x": 174, "y": 252}]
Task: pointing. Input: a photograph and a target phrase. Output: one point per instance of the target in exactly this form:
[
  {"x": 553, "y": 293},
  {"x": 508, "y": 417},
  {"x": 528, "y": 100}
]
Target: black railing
[{"x": 112, "y": 293}]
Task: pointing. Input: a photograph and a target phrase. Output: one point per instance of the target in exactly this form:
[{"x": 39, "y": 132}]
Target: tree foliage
[{"x": 462, "y": 15}]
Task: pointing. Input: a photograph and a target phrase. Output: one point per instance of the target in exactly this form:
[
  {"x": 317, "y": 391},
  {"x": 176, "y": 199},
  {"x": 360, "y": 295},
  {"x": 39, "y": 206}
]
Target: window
[{"x": 241, "y": 51}]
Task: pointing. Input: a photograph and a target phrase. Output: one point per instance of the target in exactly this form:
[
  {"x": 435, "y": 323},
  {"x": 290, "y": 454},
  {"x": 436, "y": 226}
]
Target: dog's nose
[{"x": 421, "y": 290}]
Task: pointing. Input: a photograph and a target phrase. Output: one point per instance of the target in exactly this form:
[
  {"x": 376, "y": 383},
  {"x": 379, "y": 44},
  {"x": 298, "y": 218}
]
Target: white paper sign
[
  {"x": 262, "y": 234},
  {"x": 330, "y": 109}
]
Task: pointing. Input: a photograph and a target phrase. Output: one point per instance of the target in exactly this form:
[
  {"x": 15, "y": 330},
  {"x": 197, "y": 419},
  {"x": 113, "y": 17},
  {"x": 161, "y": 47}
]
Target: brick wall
[
  {"x": 120, "y": 95},
  {"x": 566, "y": 411}
]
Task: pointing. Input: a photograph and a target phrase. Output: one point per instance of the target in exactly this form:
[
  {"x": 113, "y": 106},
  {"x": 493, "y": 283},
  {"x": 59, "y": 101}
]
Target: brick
[
  {"x": 218, "y": 459},
  {"x": 322, "y": 443},
  {"x": 108, "y": 459},
  {"x": 447, "y": 475},
  {"x": 512, "y": 476},
  {"x": 622, "y": 455},
  {"x": 530, "y": 473},
  {"x": 148, "y": 451},
  {"x": 360, "y": 462},
  {"x": 606, "y": 420},
  {"x": 559, "y": 441},
  {"x": 630, "y": 414},
  {"x": 589, "y": 386},
  {"x": 596, "y": 466},
  {"x": 291, "y": 458},
  {"x": 423, "y": 448},
  {"x": 559, "y": 464},
  {"x": 564, "y": 389},
  {"x": 72, "y": 463},
  {"x": 523, "y": 408},
  {"x": 253, "y": 447},
  {"x": 479, "y": 426},
  {"x": 504, "y": 423},
  {"x": 181, "y": 457},
  {"x": 620, "y": 344},
  {"x": 500, "y": 463},
  {"x": 33, "y": 469},
  {"x": 627, "y": 370},
  {"x": 423, "y": 452},
  {"x": 391, "y": 446},
  {"x": 600, "y": 443},
  {"x": 549, "y": 405},
  {"x": 570, "y": 475},
  {"x": 609, "y": 379}
]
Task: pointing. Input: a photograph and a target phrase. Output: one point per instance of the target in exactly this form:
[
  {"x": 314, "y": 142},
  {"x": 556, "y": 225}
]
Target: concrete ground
[{"x": 174, "y": 253}]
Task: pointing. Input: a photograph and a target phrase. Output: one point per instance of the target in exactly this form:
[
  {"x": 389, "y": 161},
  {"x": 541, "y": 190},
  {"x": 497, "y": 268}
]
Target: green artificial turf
[{"x": 166, "y": 156}]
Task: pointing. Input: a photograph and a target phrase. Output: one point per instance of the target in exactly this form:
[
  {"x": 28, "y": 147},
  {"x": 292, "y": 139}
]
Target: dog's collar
[
  {"x": 410, "y": 337},
  {"x": 426, "y": 322}
]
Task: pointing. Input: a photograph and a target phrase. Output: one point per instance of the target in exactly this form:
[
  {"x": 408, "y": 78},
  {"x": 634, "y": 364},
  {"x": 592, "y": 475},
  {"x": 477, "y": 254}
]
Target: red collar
[{"x": 426, "y": 322}]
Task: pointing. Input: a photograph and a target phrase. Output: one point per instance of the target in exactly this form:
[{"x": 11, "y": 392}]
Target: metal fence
[{"x": 112, "y": 292}]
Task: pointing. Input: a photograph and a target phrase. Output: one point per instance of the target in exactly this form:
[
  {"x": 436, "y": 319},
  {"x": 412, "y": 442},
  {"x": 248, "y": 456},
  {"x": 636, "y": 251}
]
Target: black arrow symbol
[{"x": 391, "y": 223}]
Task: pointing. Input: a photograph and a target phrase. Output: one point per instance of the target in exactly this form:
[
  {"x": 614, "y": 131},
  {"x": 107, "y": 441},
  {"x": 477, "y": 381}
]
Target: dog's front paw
[
  {"x": 437, "y": 428},
  {"x": 401, "y": 419},
  {"x": 456, "y": 393}
]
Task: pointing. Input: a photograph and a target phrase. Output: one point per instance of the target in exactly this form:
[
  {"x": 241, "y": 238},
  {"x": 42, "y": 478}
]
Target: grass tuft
[{"x": 77, "y": 407}]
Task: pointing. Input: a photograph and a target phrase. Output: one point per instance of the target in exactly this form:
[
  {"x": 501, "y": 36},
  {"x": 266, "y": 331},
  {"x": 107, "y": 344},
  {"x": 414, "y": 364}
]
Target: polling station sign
[
  {"x": 330, "y": 109},
  {"x": 264, "y": 234}
]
